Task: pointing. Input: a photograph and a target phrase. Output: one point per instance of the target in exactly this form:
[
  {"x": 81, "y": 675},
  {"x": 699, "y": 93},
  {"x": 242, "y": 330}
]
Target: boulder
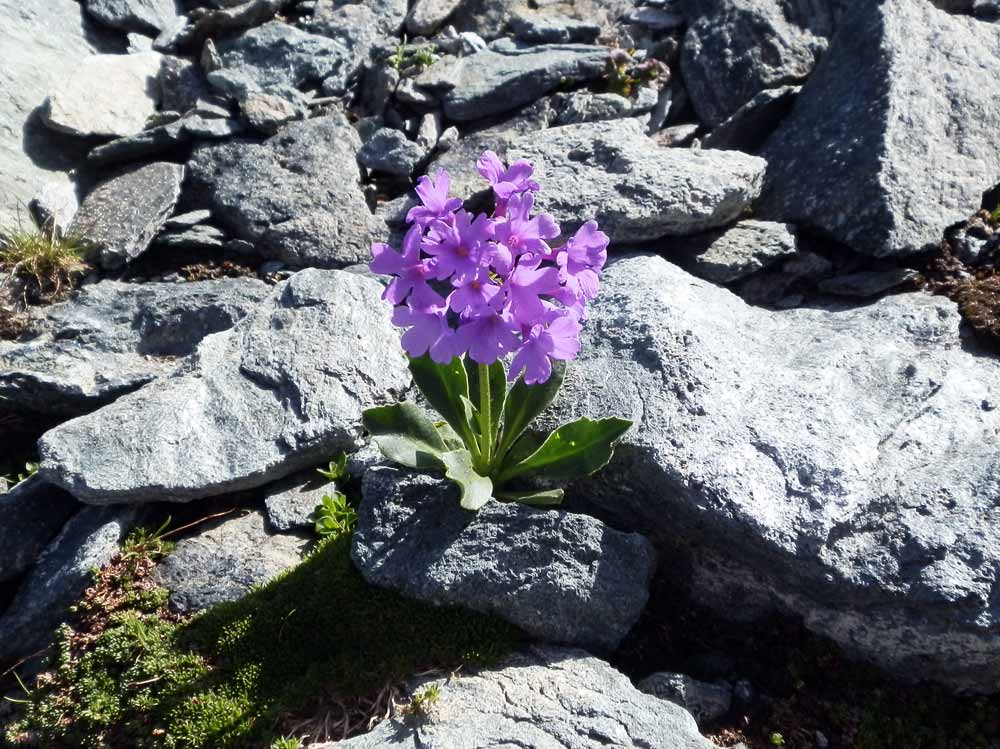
[
  {"x": 45, "y": 40},
  {"x": 120, "y": 217},
  {"x": 506, "y": 76},
  {"x": 63, "y": 572},
  {"x": 891, "y": 141},
  {"x": 637, "y": 189},
  {"x": 32, "y": 512},
  {"x": 560, "y": 577},
  {"x": 224, "y": 562},
  {"x": 313, "y": 211},
  {"x": 734, "y": 49},
  {"x": 141, "y": 16},
  {"x": 838, "y": 463},
  {"x": 544, "y": 698},
  {"x": 290, "y": 502},
  {"x": 280, "y": 391},
  {"x": 107, "y": 96},
  {"x": 736, "y": 252},
  {"x": 111, "y": 338}
]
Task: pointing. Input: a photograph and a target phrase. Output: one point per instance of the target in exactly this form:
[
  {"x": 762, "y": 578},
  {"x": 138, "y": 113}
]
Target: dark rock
[
  {"x": 744, "y": 248},
  {"x": 541, "y": 27},
  {"x": 279, "y": 392},
  {"x": 561, "y": 577},
  {"x": 142, "y": 16},
  {"x": 657, "y": 20},
  {"x": 706, "y": 702},
  {"x": 33, "y": 512},
  {"x": 121, "y": 216},
  {"x": 867, "y": 283},
  {"x": 846, "y": 160},
  {"x": 223, "y": 563},
  {"x": 187, "y": 220},
  {"x": 182, "y": 84},
  {"x": 751, "y": 125}
]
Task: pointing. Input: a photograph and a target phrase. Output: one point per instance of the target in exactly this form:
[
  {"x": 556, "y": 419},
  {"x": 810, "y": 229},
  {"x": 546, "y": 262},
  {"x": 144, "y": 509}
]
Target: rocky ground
[{"x": 798, "y": 544}]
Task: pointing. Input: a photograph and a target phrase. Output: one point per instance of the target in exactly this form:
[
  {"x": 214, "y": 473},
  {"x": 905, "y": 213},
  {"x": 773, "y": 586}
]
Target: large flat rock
[
  {"x": 837, "y": 463},
  {"x": 111, "y": 337},
  {"x": 281, "y": 391},
  {"x": 543, "y": 698},
  {"x": 892, "y": 139},
  {"x": 636, "y": 189}
]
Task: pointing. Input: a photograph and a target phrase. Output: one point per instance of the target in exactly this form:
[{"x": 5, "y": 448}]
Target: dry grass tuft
[{"x": 48, "y": 262}]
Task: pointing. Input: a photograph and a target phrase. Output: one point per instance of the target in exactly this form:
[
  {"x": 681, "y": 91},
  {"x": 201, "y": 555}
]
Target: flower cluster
[{"x": 489, "y": 286}]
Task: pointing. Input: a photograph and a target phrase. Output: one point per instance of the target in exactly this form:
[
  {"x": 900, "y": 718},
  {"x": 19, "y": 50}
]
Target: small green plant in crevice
[
  {"x": 411, "y": 58},
  {"x": 8, "y": 482},
  {"x": 423, "y": 702},
  {"x": 626, "y": 74},
  {"x": 334, "y": 515},
  {"x": 336, "y": 470},
  {"x": 50, "y": 260},
  {"x": 287, "y": 742},
  {"x": 777, "y": 739}
]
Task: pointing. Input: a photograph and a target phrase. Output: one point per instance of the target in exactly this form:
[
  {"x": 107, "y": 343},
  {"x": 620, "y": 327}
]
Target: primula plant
[{"x": 475, "y": 291}]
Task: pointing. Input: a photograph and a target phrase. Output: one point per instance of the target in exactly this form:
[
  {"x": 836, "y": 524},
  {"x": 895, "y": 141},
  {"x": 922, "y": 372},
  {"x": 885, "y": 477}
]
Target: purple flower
[
  {"x": 433, "y": 194},
  {"x": 525, "y": 286},
  {"x": 487, "y": 338},
  {"x": 518, "y": 234},
  {"x": 428, "y": 331},
  {"x": 506, "y": 182},
  {"x": 581, "y": 260},
  {"x": 458, "y": 245},
  {"x": 559, "y": 339},
  {"x": 474, "y": 294},
  {"x": 410, "y": 270}
]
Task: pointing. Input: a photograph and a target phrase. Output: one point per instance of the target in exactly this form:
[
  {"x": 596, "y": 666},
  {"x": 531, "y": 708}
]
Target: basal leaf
[
  {"x": 406, "y": 435},
  {"x": 476, "y": 490},
  {"x": 525, "y": 402},
  {"x": 444, "y": 386},
  {"x": 547, "y": 498},
  {"x": 572, "y": 451}
]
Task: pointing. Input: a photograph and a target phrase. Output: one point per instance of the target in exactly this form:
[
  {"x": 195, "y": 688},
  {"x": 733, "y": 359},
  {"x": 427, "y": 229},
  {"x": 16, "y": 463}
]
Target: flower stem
[{"x": 485, "y": 418}]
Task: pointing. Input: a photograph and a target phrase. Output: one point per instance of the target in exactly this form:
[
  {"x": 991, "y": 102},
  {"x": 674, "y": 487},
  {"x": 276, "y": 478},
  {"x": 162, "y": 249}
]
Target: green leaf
[
  {"x": 498, "y": 389},
  {"x": 336, "y": 470},
  {"x": 549, "y": 498},
  {"x": 572, "y": 451},
  {"x": 526, "y": 402},
  {"x": 451, "y": 440},
  {"x": 406, "y": 435},
  {"x": 476, "y": 489},
  {"x": 444, "y": 386}
]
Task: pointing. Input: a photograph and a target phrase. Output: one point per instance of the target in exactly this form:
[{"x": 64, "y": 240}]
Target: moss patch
[{"x": 317, "y": 640}]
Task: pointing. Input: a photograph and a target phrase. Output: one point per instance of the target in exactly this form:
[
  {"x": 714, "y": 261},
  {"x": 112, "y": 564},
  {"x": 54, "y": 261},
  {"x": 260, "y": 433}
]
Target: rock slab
[
  {"x": 33, "y": 512},
  {"x": 279, "y": 392},
  {"x": 561, "y": 577},
  {"x": 544, "y": 698}
]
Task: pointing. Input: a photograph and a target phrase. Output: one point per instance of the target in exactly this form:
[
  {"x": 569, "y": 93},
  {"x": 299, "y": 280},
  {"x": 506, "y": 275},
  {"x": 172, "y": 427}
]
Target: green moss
[{"x": 228, "y": 677}]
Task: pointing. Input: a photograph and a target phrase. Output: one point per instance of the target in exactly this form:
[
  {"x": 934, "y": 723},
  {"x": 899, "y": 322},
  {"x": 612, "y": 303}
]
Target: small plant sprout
[
  {"x": 48, "y": 258},
  {"x": 423, "y": 702},
  {"x": 11, "y": 480},
  {"x": 336, "y": 470},
  {"x": 334, "y": 516},
  {"x": 287, "y": 742},
  {"x": 777, "y": 739},
  {"x": 473, "y": 292}
]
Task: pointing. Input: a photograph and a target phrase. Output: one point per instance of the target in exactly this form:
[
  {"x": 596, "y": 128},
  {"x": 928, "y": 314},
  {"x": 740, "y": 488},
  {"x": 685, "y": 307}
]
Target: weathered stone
[
  {"x": 544, "y": 698},
  {"x": 359, "y": 28},
  {"x": 835, "y": 462},
  {"x": 182, "y": 84},
  {"x": 267, "y": 113},
  {"x": 279, "y": 392},
  {"x": 390, "y": 151},
  {"x": 224, "y": 562},
  {"x": 111, "y": 338},
  {"x": 120, "y": 217},
  {"x": 164, "y": 140},
  {"x": 32, "y": 512},
  {"x": 734, "y": 49},
  {"x": 506, "y": 77},
  {"x": 895, "y": 111},
  {"x": 187, "y": 220},
  {"x": 105, "y": 95},
  {"x": 657, "y": 20},
  {"x": 427, "y": 15},
  {"x": 202, "y": 237},
  {"x": 492, "y": 18},
  {"x": 142, "y": 16},
  {"x": 276, "y": 56},
  {"x": 638, "y": 190},
  {"x": 541, "y": 27},
  {"x": 313, "y": 211},
  {"x": 706, "y": 702},
  {"x": 561, "y": 577},
  {"x": 429, "y": 131},
  {"x": 90, "y": 539},
  {"x": 751, "y": 125},
  {"x": 54, "y": 207},
  {"x": 582, "y": 106},
  {"x": 290, "y": 502},
  {"x": 737, "y": 252},
  {"x": 230, "y": 20},
  {"x": 868, "y": 283}
]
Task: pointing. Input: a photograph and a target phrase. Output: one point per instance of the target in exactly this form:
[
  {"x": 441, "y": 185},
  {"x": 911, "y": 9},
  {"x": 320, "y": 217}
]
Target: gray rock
[
  {"x": 224, "y": 562},
  {"x": 637, "y": 190},
  {"x": 187, "y": 220},
  {"x": 582, "y": 106},
  {"x": 274, "y": 57},
  {"x": 33, "y": 512},
  {"x": 63, "y": 572},
  {"x": 54, "y": 207},
  {"x": 220, "y": 22},
  {"x": 545, "y": 27},
  {"x": 677, "y": 136},
  {"x": 705, "y": 701},
  {"x": 182, "y": 84},
  {"x": 359, "y": 28},
  {"x": 267, "y": 113},
  {"x": 142, "y": 16},
  {"x": 427, "y": 15},
  {"x": 390, "y": 151},
  {"x": 429, "y": 131},
  {"x": 833, "y": 462},
  {"x": 751, "y": 125},
  {"x": 313, "y": 211},
  {"x": 560, "y": 577},
  {"x": 164, "y": 139},
  {"x": 543, "y": 698},
  {"x": 498, "y": 80},
  {"x": 742, "y": 249},
  {"x": 409, "y": 92},
  {"x": 111, "y": 338},
  {"x": 109, "y": 96},
  {"x": 120, "y": 217},
  {"x": 290, "y": 502},
  {"x": 867, "y": 283},
  {"x": 279, "y": 392},
  {"x": 847, "y": 162},
  {"x": 202, "y": 237},
  {"x": 657, "y": 20},
  {"x": 734, "y": 49}
]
